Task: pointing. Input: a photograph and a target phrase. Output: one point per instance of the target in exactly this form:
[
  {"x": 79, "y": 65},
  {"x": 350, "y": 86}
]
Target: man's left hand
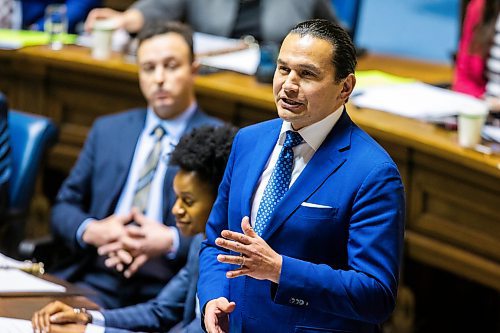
[{"x": 257, "y": 259}]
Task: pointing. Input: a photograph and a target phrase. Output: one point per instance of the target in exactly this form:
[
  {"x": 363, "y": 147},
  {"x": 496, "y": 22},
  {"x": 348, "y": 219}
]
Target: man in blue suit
[
  {"x": 306, "y": 234},
  {"x": 125, "y": 154},
  {"x": 33, "y": 12}
]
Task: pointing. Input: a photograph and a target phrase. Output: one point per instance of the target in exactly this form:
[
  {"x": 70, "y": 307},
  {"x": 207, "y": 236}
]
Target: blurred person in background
[
  {"x": 477, "y": 71},
  {"x": 265, "y": 20}
]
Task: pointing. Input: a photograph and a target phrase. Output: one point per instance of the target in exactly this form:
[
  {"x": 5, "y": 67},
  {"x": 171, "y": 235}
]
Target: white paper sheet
[
  {"x": 11, "y": 325},
  {"x": 14, "y": 280},
  {"x": 244, "y": 61},
  {"x": 415, "y": 100},
  {"x": 211, "y": 44}
]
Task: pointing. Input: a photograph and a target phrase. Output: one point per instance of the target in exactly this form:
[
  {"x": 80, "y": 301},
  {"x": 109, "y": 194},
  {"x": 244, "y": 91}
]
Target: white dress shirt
[{"x": 313, "y": 136}]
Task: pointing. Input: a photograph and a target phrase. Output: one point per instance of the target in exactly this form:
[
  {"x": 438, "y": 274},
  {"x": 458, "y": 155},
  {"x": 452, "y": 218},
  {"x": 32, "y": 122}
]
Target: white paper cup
[
  {"x": 470, "y": 124},
  {"x": 102, "y": 34}
]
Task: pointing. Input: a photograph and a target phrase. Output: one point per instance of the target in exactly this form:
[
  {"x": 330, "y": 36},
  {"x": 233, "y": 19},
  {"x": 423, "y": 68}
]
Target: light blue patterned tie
[{"x": 278, "y": 183}]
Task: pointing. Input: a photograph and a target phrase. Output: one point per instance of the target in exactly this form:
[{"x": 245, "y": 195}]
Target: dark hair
[
  {"x": 485, "y": 30},
  {"x": 343, "y": 51},
  {"x": 155, "y": 28},
  {"x": 205, "y": 150}
]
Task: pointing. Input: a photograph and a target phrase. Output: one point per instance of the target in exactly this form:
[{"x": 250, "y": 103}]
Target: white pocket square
[{"x": 313, "y": 205}]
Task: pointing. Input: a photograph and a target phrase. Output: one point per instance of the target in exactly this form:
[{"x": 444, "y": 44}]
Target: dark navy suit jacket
[
  {"x": 175, "y": 304},
  {"x": 339, "y": 229},
  {"x": 33, "y": 11},
  {"x": 92, "y": 191}
]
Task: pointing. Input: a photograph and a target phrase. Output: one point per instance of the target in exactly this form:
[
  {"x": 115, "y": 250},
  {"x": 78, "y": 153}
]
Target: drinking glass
[{"x": 56, "y": 25}]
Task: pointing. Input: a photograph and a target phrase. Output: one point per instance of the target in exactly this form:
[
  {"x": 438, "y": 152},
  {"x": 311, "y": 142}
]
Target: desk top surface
[{"x": 415, "y": 134}]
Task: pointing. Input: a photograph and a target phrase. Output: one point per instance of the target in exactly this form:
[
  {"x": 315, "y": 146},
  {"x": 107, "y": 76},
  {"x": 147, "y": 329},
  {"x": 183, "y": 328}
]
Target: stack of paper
[
  {"x": 12, "y": 280},
  {"x": 16, "y": 281},
  {"x": 415, "y": 100},
  {"x": 244, "y": 61},
  {"x": 10, "y": 325}
]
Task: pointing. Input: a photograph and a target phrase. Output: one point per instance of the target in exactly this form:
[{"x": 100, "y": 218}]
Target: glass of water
[{"x": 56, "y": 25}]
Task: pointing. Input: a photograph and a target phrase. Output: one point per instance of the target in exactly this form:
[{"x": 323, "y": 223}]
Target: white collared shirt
[{"x": 313, "y": 136}]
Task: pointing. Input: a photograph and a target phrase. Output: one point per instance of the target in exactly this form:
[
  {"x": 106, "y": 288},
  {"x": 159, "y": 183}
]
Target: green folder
[
  {"x": 15, "y": 39},
  {"x": 371, "y": 78}
]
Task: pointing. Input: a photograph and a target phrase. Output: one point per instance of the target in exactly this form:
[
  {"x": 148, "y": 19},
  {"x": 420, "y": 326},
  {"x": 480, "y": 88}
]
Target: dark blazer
[
  {"x": 77, "y": 11},
  {"x": 340, "y": 261},
  {"x": 5, "y": 160},
  {"x": 176, "y": 303},
  {"x": 276, "y": 19},
  {"x": 92, "y": 191}
]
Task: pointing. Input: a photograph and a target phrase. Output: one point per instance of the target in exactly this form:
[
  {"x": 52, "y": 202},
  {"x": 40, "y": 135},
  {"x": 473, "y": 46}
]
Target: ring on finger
[{"x": 242, "y": 261}]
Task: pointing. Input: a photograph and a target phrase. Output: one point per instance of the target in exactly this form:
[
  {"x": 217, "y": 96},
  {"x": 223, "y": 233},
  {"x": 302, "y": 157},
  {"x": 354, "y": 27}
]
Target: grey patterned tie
[
  {"x": 6, "y": 11},
  {"x": 147, "y": 172}
]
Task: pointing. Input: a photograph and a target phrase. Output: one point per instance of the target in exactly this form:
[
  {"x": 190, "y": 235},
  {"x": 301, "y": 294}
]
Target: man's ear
[
  {"x": 348, "y": 86},
  {"x": 195, "y": 66}
]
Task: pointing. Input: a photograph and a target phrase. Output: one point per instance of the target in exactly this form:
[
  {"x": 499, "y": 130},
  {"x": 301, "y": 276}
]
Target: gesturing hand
[
  {"x": 217, "y": 315},
  {"x": 52, "y": 317},
  {"x": 257, "y": 259}
]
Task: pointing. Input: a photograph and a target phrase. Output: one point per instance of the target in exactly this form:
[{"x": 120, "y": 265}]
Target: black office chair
[{"x": 30, "y": 137}]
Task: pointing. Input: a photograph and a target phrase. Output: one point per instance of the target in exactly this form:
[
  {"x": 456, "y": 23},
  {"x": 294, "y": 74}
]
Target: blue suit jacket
[
  {"x": 176, "y": 303},
  {"x": 340, "y": 264},
  {"x": 33, "y": 11},
  {"x": 92, "y": 191}
]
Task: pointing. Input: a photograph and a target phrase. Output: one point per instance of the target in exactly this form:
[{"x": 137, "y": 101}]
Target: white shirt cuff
[
  {"x": 175, "y": 243},
  {"x": 81, "y": 229},
  {"x": 90, "y": 328},
  {"x": 97, "y": 317}
]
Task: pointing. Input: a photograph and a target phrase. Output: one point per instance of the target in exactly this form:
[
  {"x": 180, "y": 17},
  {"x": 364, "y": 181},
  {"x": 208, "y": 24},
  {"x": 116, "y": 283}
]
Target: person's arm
[
  {"x": 73, "y": 200},
  {"x": 158, "y": 314},
  {"x": 166, "y": 10},
  {"x": 213, "y": 291},
  {"x": 131, "y": 20}
]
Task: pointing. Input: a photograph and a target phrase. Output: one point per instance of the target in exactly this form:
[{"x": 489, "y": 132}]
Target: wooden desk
[
  {"x": 22, "y": 306},
  {"x": 453, "y": 193}
]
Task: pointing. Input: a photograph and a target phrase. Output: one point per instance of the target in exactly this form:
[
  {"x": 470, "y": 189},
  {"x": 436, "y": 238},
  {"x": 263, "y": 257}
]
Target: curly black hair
[{"x": 205, "y": 150}]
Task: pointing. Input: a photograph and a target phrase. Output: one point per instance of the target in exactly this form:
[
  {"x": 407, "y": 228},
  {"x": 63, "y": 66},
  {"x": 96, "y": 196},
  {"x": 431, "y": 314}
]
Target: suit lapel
[
  {"x": 256, "y": 157},
  {"x": 329, "y": 157},
  {"x": 126, "y": 141}
]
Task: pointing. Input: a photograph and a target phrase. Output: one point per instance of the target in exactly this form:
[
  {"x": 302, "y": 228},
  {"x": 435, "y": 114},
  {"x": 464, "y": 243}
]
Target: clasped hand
[
  {"x": 129, "y": 246},
  {"x": 58, "y": 317}
]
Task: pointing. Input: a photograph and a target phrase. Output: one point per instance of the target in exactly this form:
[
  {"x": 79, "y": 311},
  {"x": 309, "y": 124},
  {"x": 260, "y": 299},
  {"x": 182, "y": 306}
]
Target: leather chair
[{"x": 30, "y": 136}]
